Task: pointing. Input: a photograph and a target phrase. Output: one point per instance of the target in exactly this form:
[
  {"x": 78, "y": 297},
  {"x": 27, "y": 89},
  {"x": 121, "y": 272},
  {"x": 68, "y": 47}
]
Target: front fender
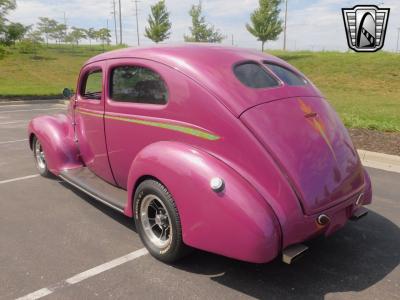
[
  {"x": 237, "y": 222},
  {"x": 56, "y": 135}
]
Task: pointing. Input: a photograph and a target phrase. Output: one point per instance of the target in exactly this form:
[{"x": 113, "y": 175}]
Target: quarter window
[
  {"x": 287, "y": 76},
  {"x": 138, "y": 85},
  {"x": 93, "y": 86},
  {"x": 253, "y": 75}
]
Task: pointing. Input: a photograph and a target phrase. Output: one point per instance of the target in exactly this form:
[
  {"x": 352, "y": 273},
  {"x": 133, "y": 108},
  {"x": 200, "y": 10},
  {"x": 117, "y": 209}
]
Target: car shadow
[
  {"x": 353, "y": 259},
  {"x": 117, "y": 216}
]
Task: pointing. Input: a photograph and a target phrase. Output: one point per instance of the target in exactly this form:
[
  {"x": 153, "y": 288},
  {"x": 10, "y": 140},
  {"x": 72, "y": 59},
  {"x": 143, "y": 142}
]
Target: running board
[
  {"x": 89, "y": 183},
  {"x": 292, "y": 253}
]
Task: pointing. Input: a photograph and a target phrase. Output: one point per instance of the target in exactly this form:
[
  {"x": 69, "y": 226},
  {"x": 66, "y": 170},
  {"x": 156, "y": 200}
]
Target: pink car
[{"x": 222, "y": 149}]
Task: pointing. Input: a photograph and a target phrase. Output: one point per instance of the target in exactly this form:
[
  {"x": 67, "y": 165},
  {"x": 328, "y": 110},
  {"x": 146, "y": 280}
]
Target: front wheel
[
  {"x": 40, "y": 158},
  {"x": 157, "y": 221}
]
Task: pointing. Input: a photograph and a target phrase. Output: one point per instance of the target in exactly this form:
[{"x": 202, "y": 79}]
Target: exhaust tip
[
  {"x": 292, "y": 253},
  {"x": 323, "y": 220},
  {"x": 359, "y": 213}
]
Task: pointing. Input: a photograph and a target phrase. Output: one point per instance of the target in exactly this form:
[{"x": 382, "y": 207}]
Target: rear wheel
[
  {"x": 157, "y": 221},
  {"x": 40, "y": 158}
]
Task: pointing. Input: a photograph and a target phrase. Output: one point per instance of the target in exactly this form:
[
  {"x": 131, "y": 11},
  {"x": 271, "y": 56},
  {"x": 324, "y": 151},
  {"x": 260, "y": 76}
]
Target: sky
[{"x": 312, "y": 24}]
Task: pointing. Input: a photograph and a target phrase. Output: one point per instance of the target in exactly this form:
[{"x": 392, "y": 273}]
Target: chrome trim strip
[{"x": 91, "y": 195}]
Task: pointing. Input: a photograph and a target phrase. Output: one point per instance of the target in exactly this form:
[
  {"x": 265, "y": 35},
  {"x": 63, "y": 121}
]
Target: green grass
[
  {"x": 53, "y": 68},
  {"x": 363, "y": 87}
]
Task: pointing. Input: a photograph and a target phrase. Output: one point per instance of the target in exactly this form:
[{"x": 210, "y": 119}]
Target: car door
[
  {"x": 136, "y": 103},
  {"x": 89, "y": 121}
]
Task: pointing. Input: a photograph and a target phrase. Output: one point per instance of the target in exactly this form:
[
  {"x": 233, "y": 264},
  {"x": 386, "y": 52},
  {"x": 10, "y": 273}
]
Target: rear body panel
[{"x": 310, "y": 143}]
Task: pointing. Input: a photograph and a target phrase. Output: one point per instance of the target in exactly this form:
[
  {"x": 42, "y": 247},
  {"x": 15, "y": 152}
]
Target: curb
[{"x": 380, "y": 161}]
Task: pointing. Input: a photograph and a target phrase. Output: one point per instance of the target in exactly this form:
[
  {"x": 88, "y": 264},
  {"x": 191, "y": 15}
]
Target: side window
[
  {"x": 137, "y": 85},
  {"x": 93, "y": 85},
  {"x": 287, "y": 76},
  {"x": 254, "y": 76}
]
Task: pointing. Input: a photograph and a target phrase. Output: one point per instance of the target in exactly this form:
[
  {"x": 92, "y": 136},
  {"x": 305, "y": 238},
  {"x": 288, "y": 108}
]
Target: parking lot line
[
  {"x": 14, "y": 141},
  {"x": 25, "y": 110},
  {"x": 19, "y": 178},
  {"x": 85, "y": 275},
  {"x": 14, "y": 122}
]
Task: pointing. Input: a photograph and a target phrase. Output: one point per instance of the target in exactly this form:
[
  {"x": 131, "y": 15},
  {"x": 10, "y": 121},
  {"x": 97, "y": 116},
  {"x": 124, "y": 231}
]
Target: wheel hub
[{"x": 156, "y": 221}]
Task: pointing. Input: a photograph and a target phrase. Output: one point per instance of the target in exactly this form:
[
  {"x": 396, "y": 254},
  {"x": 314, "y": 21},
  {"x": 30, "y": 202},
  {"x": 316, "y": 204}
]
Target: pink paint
[{"x": 283, "y": 153}]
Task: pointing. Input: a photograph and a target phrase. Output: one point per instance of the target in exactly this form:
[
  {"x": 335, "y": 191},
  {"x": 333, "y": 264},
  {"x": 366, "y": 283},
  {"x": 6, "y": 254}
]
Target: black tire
[
  {"x": 175, "y": 249},
  {"x": 41, "y": 167}
]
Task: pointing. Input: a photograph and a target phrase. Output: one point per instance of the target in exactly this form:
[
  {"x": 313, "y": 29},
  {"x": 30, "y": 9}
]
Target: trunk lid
[{"x": 312, "y": 146}]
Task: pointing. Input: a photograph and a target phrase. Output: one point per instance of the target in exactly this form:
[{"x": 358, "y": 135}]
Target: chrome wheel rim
[
  {"x": 39, "y": 155},
  {"x": 156, "y": 221}
]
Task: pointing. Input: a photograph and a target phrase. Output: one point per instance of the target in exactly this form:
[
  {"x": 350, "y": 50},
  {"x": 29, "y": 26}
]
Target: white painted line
[
  {"x": 15, "y": 141},
  {"x": 19, "y": 178},
  {"x": 85, "y": 275},
  {"x": 106, "y": 266},
  {"x": 14, "y": 122},
  {"x": 33, "y": 109},
  {"x": 36, "y": 295}
]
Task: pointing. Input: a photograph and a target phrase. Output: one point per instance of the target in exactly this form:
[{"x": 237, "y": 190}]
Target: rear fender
[
  {"x": 56, "y": 135},
  {"x": 237, "y": 222}
]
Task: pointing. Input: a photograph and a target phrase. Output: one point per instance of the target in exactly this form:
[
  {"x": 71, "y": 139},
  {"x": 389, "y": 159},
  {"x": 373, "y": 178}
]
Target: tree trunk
[{"x": 262, "y": 46}]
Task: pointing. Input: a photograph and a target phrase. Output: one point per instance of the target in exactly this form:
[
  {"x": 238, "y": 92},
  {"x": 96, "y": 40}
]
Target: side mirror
[{"x": 67, "y": 93}]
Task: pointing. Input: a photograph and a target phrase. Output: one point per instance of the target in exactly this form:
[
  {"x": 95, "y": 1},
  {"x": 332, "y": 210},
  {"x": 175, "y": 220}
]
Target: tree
[
  {"x": 265, "y": 22},
  {"x": 200, "y": 30},
  {"x": 15, "y": 32},
  {"x": 47, "y": 27},
  {"x": 58, "y": 32},
  {"x": 77, "y": 34},
  {"x": 91, "y": 35},
  {"x": 5, "y": 7},
  {"x": 159, "y": 24},
  {"x": 104, "y": 35}
]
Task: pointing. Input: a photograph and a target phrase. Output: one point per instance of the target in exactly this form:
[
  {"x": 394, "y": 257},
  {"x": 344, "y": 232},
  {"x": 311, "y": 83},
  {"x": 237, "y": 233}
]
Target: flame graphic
[{"x": 317, "y": 124}]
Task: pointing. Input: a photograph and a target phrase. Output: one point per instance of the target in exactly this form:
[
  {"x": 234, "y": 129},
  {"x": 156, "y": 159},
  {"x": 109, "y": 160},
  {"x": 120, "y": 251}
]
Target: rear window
[
  {"x": 287, "y": 76},
  {"x": 254, "y": 76}
]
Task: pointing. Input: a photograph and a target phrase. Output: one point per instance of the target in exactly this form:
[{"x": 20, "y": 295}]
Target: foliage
[
  {"x": 200, "y": 30},
  {"x": 58, "y": 32},
  {"x": 104, "y": 35},
  {"x": 76, "y": 35},
  {"x": 3, "y": 52},
  {"x": 265, "y": 22},
  {"x": 14, "y": 32},
  {"x": 91, "y": 34},
  {"x": 5, "y": 7},
  {"x": 47, "y": 27},
  {"x": 159, "y": 24}
]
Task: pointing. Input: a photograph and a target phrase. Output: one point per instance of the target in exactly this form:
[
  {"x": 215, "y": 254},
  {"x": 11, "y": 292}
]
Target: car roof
[{"x": 210, "y": 66}]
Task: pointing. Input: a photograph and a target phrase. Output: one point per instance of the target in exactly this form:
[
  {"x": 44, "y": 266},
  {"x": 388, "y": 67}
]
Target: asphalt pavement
[{"x": 50, "y": 232}]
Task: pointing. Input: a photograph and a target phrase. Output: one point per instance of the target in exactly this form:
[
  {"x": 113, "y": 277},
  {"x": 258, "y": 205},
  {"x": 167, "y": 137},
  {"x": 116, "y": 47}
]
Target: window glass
[
  {"x": 253, "y": 75},
  {"x": 137, "y": 85},
  {"x": 93, "y": 85},
  {"x": 287, "y": 76}
]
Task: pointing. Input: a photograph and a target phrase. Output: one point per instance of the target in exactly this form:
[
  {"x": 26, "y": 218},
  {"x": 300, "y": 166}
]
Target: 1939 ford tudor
[{"x": 222, "y": 149}]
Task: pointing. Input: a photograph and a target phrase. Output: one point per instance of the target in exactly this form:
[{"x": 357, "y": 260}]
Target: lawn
[
  {"x": 363, "y": 87},
  {"x": 53, "y": 68}
]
